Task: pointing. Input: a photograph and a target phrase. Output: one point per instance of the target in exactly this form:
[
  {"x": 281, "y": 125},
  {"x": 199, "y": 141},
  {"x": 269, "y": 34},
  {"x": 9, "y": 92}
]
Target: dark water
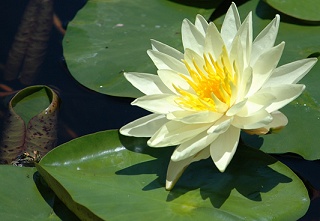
[{"x": 84, "y": 111}]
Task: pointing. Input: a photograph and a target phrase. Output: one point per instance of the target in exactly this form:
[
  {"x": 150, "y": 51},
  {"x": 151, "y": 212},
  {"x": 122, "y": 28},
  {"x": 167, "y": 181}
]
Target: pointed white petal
[
  {"x": 192, "y": 38},
  {"x": 193, "y": 146},
  {"x": 244, "y": 35},
  {"x": 245, "y": 81},
  {"x": 145, "y": 126},
  {"x": 264, "y": 67},
  {"x": 255, "y": 103},
  {"x": 194, "y": 117},
  {"x": 164, "y": 61},
  {"x": 166, "y": 49},
  {"x": 213, "y": 42},
  {"x": 230, "y": 25},
  {"x": 174, "y": 133},
  {"x": 259, "y": 119},
  {"x": 201, "y": 24},
  {"x": 157, "y": 103},
  {"x": 191, "y": 56},
  {"x": 265, "y": 39},
  {"x": 175, "y": 169},
  {"x": 223, "y": 148},
  {"x": 290, "y": 73},
  {"x": 279, "y": 121},
  {"x": 170, "y": 78},
  {"x": 220, "y": 126},
  {"x": 147, "y": 83},
  {"x": 284, "y": 94},
  {"x": 236, "y": 108}
]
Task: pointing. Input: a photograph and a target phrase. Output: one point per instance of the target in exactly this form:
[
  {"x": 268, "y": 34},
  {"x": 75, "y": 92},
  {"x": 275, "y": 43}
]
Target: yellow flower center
[{"x": 212, "y": 85}]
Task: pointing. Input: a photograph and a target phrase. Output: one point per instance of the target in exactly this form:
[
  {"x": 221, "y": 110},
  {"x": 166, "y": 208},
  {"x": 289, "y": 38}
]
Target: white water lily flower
[{"x": 224, "y": 82}]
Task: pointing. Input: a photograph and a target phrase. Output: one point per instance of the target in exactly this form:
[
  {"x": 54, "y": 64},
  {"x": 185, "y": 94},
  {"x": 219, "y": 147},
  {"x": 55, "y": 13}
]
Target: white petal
[
  {"x": 192, "y": 38},
  {"x": 255, "y": 103},
  {"x": 195, "y": 117},
  {"x": 279, "y": 121},
  {"x": 223, "y": 148},
  {"x": 236, "y": 108},
  {"x": 157, "y": 103},
  {"x": 264, "y": 67},
  {"x": 174, "y": 133},
  {"x": 230, "y": 25},
  {"x": 191, "y": 56},
  {"x": 213, "y": 42},
  {"x": 259, "y": 119},
  {"x": 147, "y": 83},
  {"x": 220, "y": 126},
  {"x": 245, "y": 37},
  {"x": 145, "y": 126},
  {"x": 265, "y": 39},
  {"x": 201, "y": 24},
  {"x": 164, "y": 61},
  {"x": 175, "y": 169},
  {"x": 170, "y": 78},
  {"x": 193, "y": 146},
  {"x": 245, "y": 81},
  {"x": 166, "y": 49},
  {"x": 290, "y": 73},
  {"x": 284, "y": 94}
]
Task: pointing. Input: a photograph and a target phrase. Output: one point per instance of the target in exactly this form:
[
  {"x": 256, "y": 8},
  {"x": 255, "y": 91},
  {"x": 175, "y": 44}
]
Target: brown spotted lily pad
[{"x": 30, "y": 126}]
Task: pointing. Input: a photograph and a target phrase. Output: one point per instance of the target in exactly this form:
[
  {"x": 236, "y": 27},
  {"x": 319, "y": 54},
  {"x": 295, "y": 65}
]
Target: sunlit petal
[
  {"x": 290, "y": 73},
  {"x": 266, "y": 39},
  {"x": 279, "y": 121},
  {"x": 147, "y": 83},
  {"x": 166, "y": 49},
  {"x": 192, "y": 117},
  {"x": 157, "y": 103},
  {"x": 176, "y": 168},
  {"x": 192, "y": 38},
  {"x": 164, "y": 61},
  {"x": 145, "y": 126},
  {"x": 174, "y": 133},
  {"x": 264, "y": 67},
  {"x": 193, "y": 146},
  {"x": 230, "y": 25},
  {"x": 223, "y": 148}
]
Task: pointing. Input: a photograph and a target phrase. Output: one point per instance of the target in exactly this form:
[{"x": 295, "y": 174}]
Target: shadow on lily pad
[{"x": 249, "y": 173}]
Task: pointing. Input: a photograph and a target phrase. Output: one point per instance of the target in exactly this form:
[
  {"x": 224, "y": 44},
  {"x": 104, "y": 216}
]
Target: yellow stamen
[{"x": 213, "y": 79}]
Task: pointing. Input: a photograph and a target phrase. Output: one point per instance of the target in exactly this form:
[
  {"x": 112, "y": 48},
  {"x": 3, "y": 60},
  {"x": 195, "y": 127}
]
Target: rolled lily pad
[
  {"x": 307, "y": 10},
  {"x": 105, "y": 176},
  {"x": 109, "y": 37},
  {"x": 31, "y": 123}
]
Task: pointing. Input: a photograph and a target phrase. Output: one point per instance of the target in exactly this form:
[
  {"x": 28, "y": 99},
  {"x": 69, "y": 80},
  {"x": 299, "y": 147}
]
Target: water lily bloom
[{"x": 222, "y": 83}]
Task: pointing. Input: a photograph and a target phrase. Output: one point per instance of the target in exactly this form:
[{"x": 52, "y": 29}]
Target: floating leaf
[
  {"x": 37, "y": 107},
  {"x": 20, "y": 198},
  {"x": 109, "y": 37},
  {"x": 105, "y": 176},
  {"x": 307, "y": 10}
]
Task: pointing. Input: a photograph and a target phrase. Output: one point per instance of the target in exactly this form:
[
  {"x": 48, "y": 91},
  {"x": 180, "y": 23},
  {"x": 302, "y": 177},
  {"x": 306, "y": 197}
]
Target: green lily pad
[
  {"x": 109, "y": 37},
  {"x": 307, "y": 10},
  {"x": 21, "y": 198},
  {"x": 106, "y": 176}
]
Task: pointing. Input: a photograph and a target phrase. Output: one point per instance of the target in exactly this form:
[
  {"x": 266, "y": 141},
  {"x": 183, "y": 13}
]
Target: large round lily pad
[{"x": 110, "y": 177}]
